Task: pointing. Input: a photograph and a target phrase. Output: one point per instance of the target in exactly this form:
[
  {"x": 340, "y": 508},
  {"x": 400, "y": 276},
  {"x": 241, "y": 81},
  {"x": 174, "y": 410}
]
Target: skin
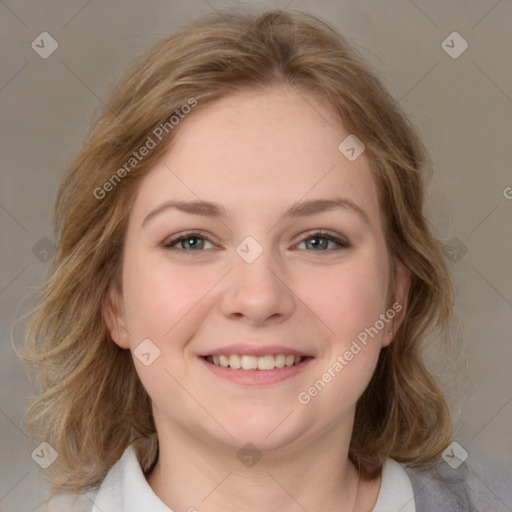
[{"x": 255, "y": 153}]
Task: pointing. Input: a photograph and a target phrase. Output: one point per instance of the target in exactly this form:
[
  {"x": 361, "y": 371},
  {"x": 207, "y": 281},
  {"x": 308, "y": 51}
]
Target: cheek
[
  {"x": 350, "y": 303},
  {"x": 162, "y": 304},
  {"x": 351, "y": 299},
  {"x": 158, "y": 299}
]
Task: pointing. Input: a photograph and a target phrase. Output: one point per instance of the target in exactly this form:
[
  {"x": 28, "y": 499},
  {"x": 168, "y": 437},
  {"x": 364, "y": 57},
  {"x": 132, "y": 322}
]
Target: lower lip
[{"x": 257, "y": 377}]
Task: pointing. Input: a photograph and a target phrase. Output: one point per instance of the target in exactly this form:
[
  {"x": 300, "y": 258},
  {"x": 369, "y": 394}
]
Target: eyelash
[{"x": 341, "y": 242}]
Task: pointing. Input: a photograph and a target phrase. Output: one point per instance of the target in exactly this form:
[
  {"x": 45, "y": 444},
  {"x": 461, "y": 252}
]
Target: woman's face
[{"x": 258, "y": 174}]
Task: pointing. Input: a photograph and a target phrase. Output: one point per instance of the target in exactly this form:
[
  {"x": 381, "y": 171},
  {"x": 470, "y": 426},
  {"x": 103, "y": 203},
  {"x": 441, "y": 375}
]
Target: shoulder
[
  {"x": 479, "y": 483},
  {"x": 136, "y": 456},
  {"x": 68, "y": 503}
]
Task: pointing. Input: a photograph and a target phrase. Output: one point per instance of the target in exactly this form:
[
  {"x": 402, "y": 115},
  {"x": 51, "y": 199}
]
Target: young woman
[{"x": 244, "y": 277}]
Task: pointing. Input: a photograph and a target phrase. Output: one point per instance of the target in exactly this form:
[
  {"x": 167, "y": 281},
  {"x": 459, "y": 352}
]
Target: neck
[{"x": 198, "y": 474}]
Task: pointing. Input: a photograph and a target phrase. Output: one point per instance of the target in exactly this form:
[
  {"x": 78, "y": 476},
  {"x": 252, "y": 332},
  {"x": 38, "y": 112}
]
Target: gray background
[{"x": 462, "y": 107}]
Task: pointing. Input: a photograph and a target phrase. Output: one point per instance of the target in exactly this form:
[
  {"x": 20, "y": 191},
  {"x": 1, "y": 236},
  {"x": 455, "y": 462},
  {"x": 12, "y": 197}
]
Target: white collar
[
  {"x": 125, "y": 488},
  {"x": 396, "y": 493}
]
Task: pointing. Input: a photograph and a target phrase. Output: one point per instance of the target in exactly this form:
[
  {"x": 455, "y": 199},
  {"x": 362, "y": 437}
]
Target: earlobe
[{"x": 113, "y": 315}]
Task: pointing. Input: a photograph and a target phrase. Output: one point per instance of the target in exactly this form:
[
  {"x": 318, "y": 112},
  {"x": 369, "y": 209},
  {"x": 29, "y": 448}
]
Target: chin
[{"x": 270, "y": 432}]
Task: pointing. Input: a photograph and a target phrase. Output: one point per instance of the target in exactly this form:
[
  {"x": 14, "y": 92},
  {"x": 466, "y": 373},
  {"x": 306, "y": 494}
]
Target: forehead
[{"x": 268, "y": 147}]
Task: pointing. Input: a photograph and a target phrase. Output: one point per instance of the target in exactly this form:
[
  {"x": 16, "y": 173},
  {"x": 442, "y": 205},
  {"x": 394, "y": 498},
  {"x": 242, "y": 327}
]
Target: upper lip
[{"x": 254, "y": 350}]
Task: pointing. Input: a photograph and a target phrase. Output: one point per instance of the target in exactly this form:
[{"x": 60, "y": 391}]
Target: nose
[{"x": 257, "y": 292}]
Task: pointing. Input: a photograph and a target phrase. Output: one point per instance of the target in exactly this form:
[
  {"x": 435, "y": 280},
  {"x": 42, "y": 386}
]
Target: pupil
[
  {"x": 190, "y": 241},
  {"x": 315, "y": 245}
]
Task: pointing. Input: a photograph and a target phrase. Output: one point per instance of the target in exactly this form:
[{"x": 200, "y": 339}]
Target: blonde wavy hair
[{"x": 91, "y": 404}]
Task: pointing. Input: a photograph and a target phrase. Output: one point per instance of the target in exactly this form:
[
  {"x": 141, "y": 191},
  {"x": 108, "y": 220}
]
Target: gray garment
[{"x": 478, "y": 485}]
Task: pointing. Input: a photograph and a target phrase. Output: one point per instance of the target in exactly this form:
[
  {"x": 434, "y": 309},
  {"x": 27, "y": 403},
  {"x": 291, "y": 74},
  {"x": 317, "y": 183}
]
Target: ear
[
  {"x": 399, "y": 306},
  {"x": 113, "y": 315}
]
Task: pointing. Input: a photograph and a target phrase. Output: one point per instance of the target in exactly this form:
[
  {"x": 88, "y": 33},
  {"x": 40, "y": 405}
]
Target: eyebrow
[{"x": 299, "y": 209}]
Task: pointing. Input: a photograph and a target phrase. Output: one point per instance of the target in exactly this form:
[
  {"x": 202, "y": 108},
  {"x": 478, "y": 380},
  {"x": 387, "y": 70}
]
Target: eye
[
  {"x": 191, "y": 241},
  {"x": 320, "y": 241}
]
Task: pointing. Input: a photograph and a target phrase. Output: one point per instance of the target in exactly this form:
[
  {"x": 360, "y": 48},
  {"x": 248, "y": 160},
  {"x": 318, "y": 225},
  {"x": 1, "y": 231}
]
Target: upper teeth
[{"x": 254, "y": 363}]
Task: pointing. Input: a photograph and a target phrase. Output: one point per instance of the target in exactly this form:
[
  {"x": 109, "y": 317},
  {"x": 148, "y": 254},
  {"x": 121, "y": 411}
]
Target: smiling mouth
[{"x": 247, "y": 362}]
